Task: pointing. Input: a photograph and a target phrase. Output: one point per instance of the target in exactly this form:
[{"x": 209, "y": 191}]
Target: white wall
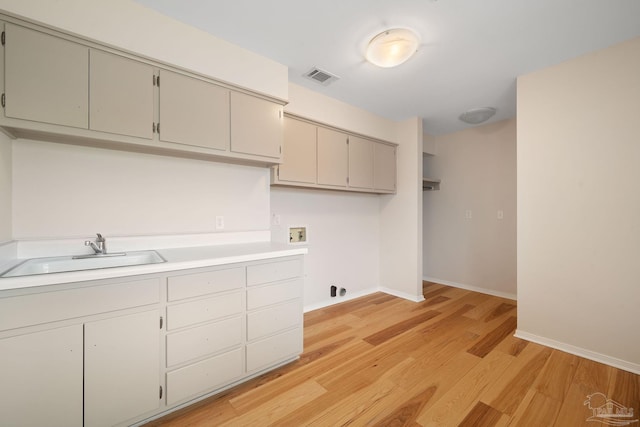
[
  {"x": 401, "y": 218},
  {"x": 64, "y": 191},
  {"x": 5, "y": 189},
  {"x": 346, "y": 229},
  {"x": 144, "y": 31},
  {"x": 343, "y": 240},
  {"x": 321, "y": 108},
  {"x": 128, "y": 25},
  {"x": 477, "y": 168},
  {"x": 579, "y": 205},
  {"x": 69, "y": 191}
]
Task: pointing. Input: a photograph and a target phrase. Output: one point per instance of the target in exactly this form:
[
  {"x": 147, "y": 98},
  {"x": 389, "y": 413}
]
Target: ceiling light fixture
[
  {"x": 477, "y": 115},
  {"x": 392, "y": 47}
]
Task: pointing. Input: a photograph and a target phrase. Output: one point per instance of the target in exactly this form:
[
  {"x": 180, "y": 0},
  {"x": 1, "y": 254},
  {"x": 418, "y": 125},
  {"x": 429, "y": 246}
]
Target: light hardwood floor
[{"x": 451, "y": 360}]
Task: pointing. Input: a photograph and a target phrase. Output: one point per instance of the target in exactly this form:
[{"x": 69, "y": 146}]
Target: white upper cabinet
[
  {"x": 319, "y": 156},
  {"x": 333, "y": 155},
  {"x": 256, "y": 126},
  {"x": 360, "y": 162},
  {"x": 62, "y": 88},
  {"x": 384, "y": 167},
  {"x": 299, "y": 156},
  {"x": 46, "y": 78},
  {"x": 193, "y": 112},
  {"x": 120, "y": 95}
]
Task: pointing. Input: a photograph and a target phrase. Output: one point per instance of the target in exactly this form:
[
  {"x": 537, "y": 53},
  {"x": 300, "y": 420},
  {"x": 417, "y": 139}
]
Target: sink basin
[{"x": 62, "y": 264}]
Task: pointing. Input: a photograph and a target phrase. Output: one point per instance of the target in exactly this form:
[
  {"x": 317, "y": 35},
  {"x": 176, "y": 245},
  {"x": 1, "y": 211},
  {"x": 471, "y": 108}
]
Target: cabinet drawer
[
  {"x": 202, "y": 340},
  {"x": 204, "y": 376},
  {"x": 274, "y": 271},
  {"x": 204, "y": 310},
  {"x": 274, "y": 349},
  {"x": 273, "y": 319},
  {"x": 34, "y": 309},
  {"x": 193, "y": 285},
  {"x": 272, "y": 294}
]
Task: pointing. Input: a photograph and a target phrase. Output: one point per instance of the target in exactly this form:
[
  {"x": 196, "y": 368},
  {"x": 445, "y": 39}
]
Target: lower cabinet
[
  {"x": 41, "y": 378},
  {"x": 107, "y": 369},
  {"x": 121, "y": 368},
  {"x": 206, "y": 375},
  {"x": 227, "y": 324},
  {"x": 110, "y": 352}
]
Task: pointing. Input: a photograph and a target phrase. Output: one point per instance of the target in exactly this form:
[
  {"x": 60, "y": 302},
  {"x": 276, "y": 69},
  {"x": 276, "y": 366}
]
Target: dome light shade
[
  {"x": 477, "y": 115},
  {"x": 392, "y": 47}
]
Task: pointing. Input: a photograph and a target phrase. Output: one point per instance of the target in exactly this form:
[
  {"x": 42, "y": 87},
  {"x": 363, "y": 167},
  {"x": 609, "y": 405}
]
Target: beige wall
[
  {"x": 5, "y": 189},
  {"x": 477, "y": 168},
  {"x": 579, "y": 205}
]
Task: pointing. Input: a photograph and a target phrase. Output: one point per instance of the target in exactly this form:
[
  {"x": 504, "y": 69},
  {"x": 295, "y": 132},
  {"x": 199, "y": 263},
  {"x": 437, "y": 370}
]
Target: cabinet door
[
  {"x": 193, "y": 112},
  {"x": 122, "y": 368},
  {"x": 360, "y": 162},
  {"x": 46, "y": 78},
  {"x": 299, "y": 154},
  {"x": 41, "y": 377},
  {"x": 384, "y": 167},
  {"x": 333, "y": 158},
  {"x": 121, "y": 95},
  {"x": 256, "y": 126}
]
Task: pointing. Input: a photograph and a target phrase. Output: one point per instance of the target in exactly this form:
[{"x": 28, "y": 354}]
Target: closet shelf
[{"x": 430, "y": 184}]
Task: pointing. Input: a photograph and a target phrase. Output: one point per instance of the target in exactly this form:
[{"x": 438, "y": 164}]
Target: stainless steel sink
[{"x": 69, "y": 263}]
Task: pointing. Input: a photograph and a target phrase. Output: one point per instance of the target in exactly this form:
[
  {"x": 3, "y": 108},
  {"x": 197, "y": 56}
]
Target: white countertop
[{"x": 177, "y": 259}]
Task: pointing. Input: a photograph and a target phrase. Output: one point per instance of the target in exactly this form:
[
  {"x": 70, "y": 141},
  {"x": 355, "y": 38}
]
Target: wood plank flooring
[{"x": 451, "y": 360}]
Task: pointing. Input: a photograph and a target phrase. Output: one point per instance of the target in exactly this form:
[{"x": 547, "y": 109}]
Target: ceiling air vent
[{"x": 320, "y": 76}]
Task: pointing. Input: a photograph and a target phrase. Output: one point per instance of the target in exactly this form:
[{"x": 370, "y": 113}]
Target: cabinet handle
[
  {"x": 153, "y": 127},
  {"x": 161, "y": 322},
  {"x": 2, "y": 101},
  {"x": 160, "y": 392}
]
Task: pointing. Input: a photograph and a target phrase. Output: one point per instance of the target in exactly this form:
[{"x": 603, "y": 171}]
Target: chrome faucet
[{"x": 99, "y": 246}]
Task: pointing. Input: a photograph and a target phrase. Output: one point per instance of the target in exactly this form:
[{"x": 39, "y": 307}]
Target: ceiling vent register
[{"x": 322, "y": 77}]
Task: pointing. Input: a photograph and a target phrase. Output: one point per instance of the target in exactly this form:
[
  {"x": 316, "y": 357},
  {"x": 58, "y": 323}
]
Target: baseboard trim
[
  {"x": 634, "y": 368},
  {"x": 338, "y": 299},
  {"x": 400, "y": 294},
  {"x": 500, "y": 294},
  {"x": 362, "y": 293}
]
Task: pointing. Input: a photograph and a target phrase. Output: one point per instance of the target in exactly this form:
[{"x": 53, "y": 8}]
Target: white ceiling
[{"x": 471, "y": 52}]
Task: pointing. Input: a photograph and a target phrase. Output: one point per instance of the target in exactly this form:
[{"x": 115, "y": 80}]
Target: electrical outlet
[
  {"x": 219, "y": 223},
  {"x": 275, "y": 219},
  {"x": 500, "y": 214},
  {"x": 468, "y": 214}
]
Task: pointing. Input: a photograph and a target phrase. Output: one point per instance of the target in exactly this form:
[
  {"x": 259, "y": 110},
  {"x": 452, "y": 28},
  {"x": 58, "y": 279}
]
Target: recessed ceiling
[{"x": 471, "y": 53}]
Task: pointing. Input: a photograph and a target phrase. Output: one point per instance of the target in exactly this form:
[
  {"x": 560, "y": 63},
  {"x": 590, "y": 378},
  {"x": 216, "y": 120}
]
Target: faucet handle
[{"x": 100, "y": 238}]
